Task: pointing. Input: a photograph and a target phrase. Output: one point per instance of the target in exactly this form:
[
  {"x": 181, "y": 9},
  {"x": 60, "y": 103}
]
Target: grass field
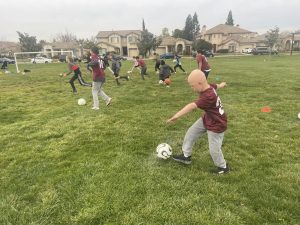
[{"x": 61, "y": 163}]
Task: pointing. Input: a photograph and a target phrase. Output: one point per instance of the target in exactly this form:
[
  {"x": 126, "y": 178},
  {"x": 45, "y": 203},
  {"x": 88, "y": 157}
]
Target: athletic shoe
[
  {"x": 223, "y": 170},
  {"x": 181, "y": 158},
  {"x": 95, "y": 108},
  {"x": 108, "y": 102}
]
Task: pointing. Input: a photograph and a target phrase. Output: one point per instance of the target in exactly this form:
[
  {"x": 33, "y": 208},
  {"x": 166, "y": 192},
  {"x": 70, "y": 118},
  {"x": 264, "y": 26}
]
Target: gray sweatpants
[
  {"x": 215, "y": 141},
  {"x": 97, "y": 91}
]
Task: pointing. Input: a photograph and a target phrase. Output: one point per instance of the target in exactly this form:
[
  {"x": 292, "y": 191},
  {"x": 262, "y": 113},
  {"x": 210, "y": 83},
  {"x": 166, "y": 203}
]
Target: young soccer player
[
  {"x": 165, "y": 73},
  {"x": 178, "y": 63},
  {"x": 73, "y": 67},
  {"x": 213, "y": 122},
  {"x": 97, "y": 67},
  {"x": 143, "y": 66},
  {"x": 202, "y": 63},
  {"x": 116, "y": 66}
]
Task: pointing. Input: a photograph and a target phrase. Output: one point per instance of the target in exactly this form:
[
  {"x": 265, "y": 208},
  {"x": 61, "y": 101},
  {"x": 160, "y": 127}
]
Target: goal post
[{"x": 41, "y": 53}]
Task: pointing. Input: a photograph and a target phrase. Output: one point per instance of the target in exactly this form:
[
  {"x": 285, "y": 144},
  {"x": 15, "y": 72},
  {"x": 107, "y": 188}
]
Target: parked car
[
  {"x": 247, "y": 50},
  {"x": 40, "y": 59},
  {"x": 167, "y": 55},
  {"x": 263, "y": 51},
  {"x": 9, "y": 61}
]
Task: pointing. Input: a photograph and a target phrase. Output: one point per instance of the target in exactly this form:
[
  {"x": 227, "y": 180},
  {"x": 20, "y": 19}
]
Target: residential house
[
  {"x": 230, "y": 37},
  {"x": 123, "y": 42},
  {"x": 53, "y": 49},
  {"x": 8, "y": 48},
  {"x": 176, "y": 45}
]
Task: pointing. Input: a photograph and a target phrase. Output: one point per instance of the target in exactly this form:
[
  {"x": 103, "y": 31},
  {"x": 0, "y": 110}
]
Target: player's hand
[
  {"x": 172, "y": 120},
  {"x": 65, "y": 74}
]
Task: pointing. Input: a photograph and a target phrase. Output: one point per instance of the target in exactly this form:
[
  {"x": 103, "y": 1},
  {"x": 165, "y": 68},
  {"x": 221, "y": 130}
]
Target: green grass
[{"x": 61, "y": 163}]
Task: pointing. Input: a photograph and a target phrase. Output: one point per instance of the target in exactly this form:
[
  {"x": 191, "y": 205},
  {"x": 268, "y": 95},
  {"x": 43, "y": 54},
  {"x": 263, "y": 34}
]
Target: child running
[
  {"x": 165, "y": 73},
  {"x": 73, "y": 67},
  {"x": 178, "y": 63}
]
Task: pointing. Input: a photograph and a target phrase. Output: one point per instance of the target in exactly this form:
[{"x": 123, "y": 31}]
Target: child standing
[
  {"x": 97, "y": 67},
  {"x": 165, "y": 73},
  {"x": 157, "y": 62},
  {"x": 73, "y": 67},
  {"x": 178, "y": 63},
  {"x": 213, "y": 122}
]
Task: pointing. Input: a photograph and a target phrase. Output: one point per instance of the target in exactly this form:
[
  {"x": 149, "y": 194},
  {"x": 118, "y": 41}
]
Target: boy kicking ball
[{"x": 213, "y": 122}]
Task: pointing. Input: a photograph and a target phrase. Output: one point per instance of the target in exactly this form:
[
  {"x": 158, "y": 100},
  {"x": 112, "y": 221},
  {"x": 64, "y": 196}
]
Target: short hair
[
  {"x": 95, "y": 50},
  {"x": 70, "y": 58},
  {"x": 200, "y": 51},
  {"x": 162, "y": 62}
]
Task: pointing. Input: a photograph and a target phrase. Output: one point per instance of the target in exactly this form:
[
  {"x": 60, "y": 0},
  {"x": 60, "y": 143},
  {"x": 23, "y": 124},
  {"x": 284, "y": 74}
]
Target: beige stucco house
[
  {"x": 7, "y": 48},
  {"x": 53, "y": 49},
  {"x": 175, "y": 45},
  {"x": 232, "y": 38},
  {"x": 123, "y": 42}
]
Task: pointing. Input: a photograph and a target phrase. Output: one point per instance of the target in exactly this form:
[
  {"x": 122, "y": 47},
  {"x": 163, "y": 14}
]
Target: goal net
[{"x": 25, "y": 58}]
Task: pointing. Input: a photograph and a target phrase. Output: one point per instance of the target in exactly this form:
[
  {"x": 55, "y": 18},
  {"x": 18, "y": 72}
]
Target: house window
[
  {"x": 114, "y": 40},
  {"x": 131, "y": 39}
]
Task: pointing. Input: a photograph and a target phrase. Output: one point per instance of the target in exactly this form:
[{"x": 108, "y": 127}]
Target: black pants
[
  {"x": 206, "y": 73},
  {"x": 80, "y": 80},
  {"x": 157, "y": 64},
  {"x": 177, "y": 65}
]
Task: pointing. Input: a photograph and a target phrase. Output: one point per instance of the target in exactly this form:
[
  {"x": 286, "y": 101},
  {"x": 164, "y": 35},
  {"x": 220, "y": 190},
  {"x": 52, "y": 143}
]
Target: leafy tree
[
  {"x": 229, "y": 20},
  {"x": 28, "y": 43},
  {"x": 272, "y": 37},
  {"x": 177, "y": 33},
  {"x": 147, "y": 42},
  {"x": 66, "y": 37},
  {"x": 188, "y": 28},
  {"x": 165, "y": 32},
  {"x": 88, "y": 43},
  {"x": 196, "y": 26},
  {"x": 202, "y": 44}
]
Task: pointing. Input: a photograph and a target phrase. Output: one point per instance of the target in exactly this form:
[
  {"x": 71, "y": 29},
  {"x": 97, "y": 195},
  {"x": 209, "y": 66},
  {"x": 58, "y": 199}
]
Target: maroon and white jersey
[
  {"x": 204, "y": 63},
  {"x": 214, "y": 118},
  {"x": 98, "y": 68}
]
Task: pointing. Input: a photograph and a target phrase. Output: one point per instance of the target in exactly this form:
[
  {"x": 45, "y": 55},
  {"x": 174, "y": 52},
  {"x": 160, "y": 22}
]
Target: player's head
[
  {"x": 69, "y": 59},
  {"x": 197, "y": 81},
  {"x": 200, "y": 51},
  {"x": 95, "y": 50},
  {"x": 137, "y": 57},
  {"x": 162, "y": 62}
]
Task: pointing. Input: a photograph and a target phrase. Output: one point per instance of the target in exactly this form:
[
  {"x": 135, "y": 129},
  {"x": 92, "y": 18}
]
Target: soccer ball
[
  {"x": 174, "y": 61},
  {"x": 164, "y": 151},
  {"x": 81, "y": 101},
  {"x": 299, "y": 115},
  {"x": 167, "y": 81},
  {"x": 160, "y": 81}
]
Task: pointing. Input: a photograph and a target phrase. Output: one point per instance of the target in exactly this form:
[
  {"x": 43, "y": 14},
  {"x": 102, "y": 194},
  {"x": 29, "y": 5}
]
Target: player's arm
[
  {"x": 221, "y": 85},
  {"x": 185, "y": 110},
  {"x": 90, "y": 65}
]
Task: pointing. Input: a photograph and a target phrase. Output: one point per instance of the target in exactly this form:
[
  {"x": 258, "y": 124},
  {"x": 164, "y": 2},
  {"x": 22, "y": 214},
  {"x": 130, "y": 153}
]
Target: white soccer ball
[
  {"x": 160, "y": 81},
  {"x": 299, "y": 115},
  {"x": 81, "y": 101},
  {"x": 174, "y": 60},
  {"x": 164, "y": 151}
]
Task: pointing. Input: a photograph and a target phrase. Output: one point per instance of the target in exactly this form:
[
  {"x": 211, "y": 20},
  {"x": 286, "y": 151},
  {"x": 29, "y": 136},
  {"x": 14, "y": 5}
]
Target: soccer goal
[{"x": 22, "y": 57}]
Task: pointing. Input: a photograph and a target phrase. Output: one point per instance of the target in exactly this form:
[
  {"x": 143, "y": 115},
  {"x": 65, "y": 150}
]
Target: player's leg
[
  {"x": 82, "y": 82},
  {"x": 71, "y": 81}
]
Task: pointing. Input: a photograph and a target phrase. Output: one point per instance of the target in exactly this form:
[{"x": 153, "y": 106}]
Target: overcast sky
[{"x": 45, "y": 19}]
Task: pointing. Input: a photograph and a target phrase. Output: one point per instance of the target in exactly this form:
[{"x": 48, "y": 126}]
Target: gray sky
[{"x": 45, "y": 19}]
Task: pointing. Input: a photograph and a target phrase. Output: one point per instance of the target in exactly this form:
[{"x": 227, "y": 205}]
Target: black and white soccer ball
[{"x": 164, "y": 151}]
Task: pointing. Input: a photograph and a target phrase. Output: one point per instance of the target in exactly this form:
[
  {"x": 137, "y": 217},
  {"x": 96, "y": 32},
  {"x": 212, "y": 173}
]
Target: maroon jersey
[
  {"x": 214, "y": 118},
  {"x": 98, "y": 68},
  {"x": 203, "y": 60},
  {"x": 141, "y": 63}
]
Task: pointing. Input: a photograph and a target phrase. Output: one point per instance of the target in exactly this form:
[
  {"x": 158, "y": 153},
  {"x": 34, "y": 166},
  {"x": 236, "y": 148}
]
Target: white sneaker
[
  {"x": 108, "y": 102},
  {"x": 95, "y": 108}
]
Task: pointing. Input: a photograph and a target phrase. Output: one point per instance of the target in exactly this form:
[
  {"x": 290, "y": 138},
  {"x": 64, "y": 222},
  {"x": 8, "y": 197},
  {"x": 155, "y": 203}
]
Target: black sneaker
[
  {"x": 223, "y": 170},
  {"x": 181, "y": 158}
]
